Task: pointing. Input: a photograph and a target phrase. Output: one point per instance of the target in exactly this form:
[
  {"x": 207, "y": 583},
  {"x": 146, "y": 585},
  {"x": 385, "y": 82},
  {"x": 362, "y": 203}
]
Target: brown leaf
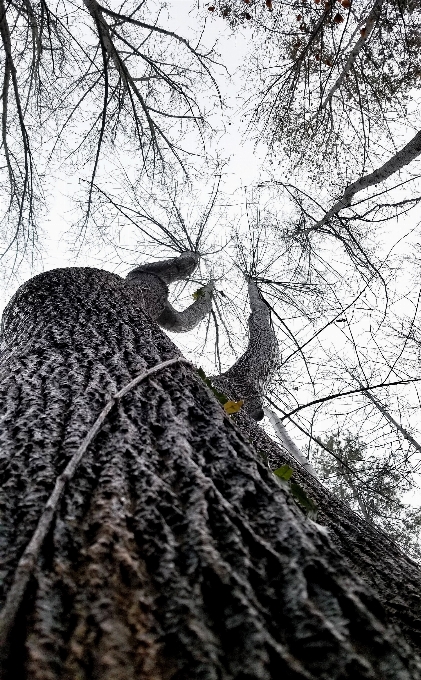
[{"x": 233, "y": 406}]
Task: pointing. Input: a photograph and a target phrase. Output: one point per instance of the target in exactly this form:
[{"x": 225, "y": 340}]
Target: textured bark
[
  {"x": 174, "y": 553},
  {"x": 187, "y": 319},
  {"x": 394, "y": 577},
  {"x": 152, "y": 278}
]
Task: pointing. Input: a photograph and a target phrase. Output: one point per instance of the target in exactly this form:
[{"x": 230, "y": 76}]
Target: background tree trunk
[{"x": 174, "y": 552}]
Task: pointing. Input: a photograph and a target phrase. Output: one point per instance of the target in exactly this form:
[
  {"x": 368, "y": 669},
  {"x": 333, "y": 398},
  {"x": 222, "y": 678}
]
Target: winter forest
[{"x": 210, "y": 448}]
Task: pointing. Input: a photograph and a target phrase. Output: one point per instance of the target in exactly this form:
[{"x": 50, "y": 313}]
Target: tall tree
[
  {"x": 85, "y": 86},
  {"x": 142, "y": 534},
  {"x": 153, "y": 542},
  {"x": 372, "y": 485},
  {"x": 336, "y": 78}
]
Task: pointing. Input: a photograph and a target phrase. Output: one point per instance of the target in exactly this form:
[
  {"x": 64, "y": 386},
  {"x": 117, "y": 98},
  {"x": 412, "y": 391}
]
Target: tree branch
[
  {"x": 249, "y": 377},
  {"x": 370, "y": 23},
  {"x": 181, "y": 322},
  {"x": 402, "y": 158}
]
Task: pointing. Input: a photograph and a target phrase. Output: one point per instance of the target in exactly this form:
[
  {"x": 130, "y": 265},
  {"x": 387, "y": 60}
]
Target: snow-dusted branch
[{"x": 248, "y": 378}]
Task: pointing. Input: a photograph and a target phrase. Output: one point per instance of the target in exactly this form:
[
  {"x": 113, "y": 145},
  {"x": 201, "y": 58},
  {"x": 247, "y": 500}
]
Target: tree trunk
[
  {"x": 394, "y": 577},
  {"x": 174, "y": 553}
]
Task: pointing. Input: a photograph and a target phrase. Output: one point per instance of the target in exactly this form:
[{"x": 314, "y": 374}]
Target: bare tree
[
  {"x": 85, "y": 83},
  {"x": 394, "y": 165},
  {"x": 335, "y": 79},
  {"x": 140, "y": 533},
  {"x": 135, "y": 509}
]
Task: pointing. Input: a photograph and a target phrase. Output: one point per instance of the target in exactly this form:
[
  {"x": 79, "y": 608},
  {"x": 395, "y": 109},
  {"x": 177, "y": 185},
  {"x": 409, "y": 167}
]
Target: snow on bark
[
  {"x": 248, "y": 378},
  {"x": 174, "y": 553}
]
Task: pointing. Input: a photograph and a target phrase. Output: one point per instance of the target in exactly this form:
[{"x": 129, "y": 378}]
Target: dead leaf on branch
[{"x": 233, "y": 406}]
